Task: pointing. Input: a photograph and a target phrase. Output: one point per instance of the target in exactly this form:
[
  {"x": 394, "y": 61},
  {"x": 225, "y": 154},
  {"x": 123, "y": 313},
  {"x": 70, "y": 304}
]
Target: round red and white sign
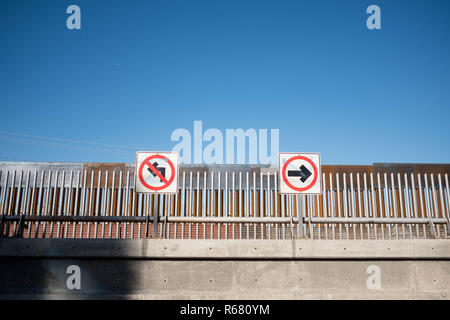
[
  {"x": 156, "y": 172},
  {"x": 299, "y": 173}
]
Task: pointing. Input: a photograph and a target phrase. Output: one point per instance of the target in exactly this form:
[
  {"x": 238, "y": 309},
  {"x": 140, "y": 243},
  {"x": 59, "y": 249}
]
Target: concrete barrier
[{"x": 218, "y": 269}]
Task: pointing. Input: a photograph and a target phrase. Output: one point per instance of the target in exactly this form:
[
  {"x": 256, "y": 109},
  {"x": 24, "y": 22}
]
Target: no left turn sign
[
  {"x": 300, "y": 173},
  {"x": 156, "y": 172}
]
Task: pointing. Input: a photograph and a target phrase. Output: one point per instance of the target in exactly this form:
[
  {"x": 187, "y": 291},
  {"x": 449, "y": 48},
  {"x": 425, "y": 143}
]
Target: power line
[
  {"x": 8, "y": 133},
  {"x": 65, "y": 146}
]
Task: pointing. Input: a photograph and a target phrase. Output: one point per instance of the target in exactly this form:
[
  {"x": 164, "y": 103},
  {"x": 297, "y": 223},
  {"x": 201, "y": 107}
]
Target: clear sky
[{"x": 137, "y": 70}]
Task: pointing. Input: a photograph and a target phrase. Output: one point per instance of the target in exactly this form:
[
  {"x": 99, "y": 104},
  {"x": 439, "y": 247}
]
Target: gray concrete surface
[
  {"x": 220, "y": 269},
  {"x": 227, "y": 249}
]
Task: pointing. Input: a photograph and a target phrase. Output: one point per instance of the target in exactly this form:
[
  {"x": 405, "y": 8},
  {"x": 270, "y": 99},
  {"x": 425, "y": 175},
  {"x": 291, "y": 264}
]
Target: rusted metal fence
[{"x": 73, "y": 200}]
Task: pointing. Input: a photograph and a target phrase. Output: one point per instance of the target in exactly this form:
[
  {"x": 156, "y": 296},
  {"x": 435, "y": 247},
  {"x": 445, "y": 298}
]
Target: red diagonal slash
[{"x": 156, "y": 172}]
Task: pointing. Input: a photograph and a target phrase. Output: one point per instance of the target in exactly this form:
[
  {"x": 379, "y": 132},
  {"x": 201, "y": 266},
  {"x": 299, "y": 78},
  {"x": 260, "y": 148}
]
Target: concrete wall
[{"x": 231, "y": 269}]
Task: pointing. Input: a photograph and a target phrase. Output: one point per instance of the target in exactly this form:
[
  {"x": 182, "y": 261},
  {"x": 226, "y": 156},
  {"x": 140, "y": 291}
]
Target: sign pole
[
  {"x": 300, "y": 215},
  {"x": 155, "y": 216}
]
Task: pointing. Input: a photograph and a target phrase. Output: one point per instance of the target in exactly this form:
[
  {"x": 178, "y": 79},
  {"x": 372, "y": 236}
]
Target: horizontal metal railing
[{"x": 40, "y": 200}]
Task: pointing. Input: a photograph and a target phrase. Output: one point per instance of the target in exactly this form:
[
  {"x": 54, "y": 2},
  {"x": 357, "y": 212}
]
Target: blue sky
[{"x": 137, "y": 70}]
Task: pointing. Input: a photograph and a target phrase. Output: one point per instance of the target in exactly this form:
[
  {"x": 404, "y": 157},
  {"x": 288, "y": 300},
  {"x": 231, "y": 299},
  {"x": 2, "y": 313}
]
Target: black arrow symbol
[
  {"x": 303, "y": 173},
  {"x": 161, "y": 170}
]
